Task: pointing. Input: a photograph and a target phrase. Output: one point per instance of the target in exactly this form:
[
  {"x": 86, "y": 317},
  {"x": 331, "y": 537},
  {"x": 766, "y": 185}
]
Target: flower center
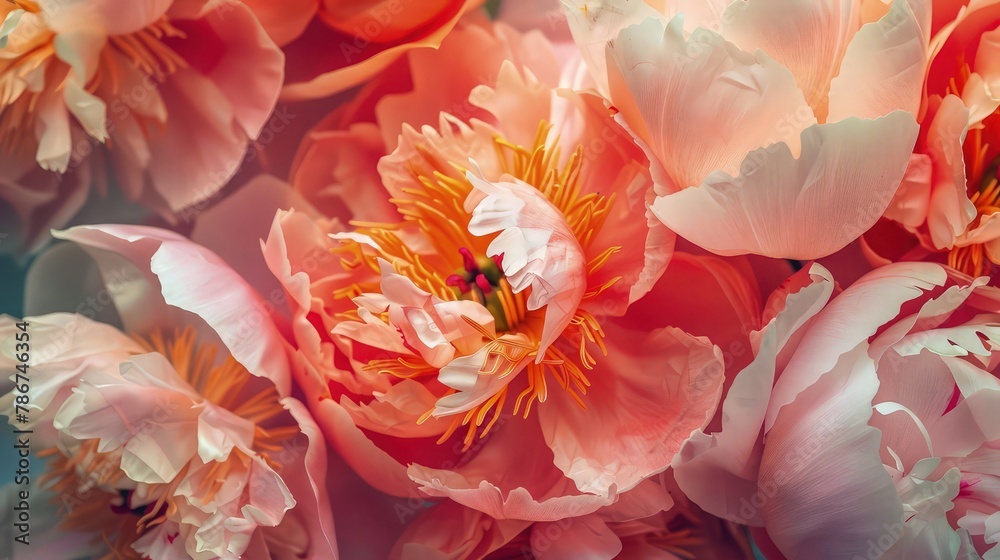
[
  {"x": 460, "y": 269},
  {"x": 92, "y": 487},
  {"x": 482, "y": 280}
]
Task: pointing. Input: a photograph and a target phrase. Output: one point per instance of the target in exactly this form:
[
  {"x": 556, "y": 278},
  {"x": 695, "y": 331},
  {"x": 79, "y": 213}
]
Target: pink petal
[
  {"x": 596, "y": 23},
  {"x": 808, "y": 38},
  {"x": 450, "y": 531},
  {"x": 840, "y": 329},
  {"x": 883, "y": 67},
  {"x": 719, "y": 471},
  {"x": 950, "y": 211},
  {"x": 196, "y": 280},
  {"x": 671, "y": 90},
  {"x": 283, "y": 21},
  {"x": 800, "y": 208},
  {"x": 581, "y": 538},
  {"x": 646, "y": 398},
  {"x": 539, "y": 250},
  {"x": 823, "y": 489},
  {"x": 511, "y": 477}
]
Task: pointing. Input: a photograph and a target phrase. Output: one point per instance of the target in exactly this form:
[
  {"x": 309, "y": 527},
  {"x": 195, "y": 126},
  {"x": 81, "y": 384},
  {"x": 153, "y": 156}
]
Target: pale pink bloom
[
  {"x": 866, "y": 426},
  {"x": 769, "y": 128},
  {"x": 494, "y": 300},
  {"x": 948, "y": 198},
  {"x": 179, "y": 439},
  {"x": 163, "y": 96}
]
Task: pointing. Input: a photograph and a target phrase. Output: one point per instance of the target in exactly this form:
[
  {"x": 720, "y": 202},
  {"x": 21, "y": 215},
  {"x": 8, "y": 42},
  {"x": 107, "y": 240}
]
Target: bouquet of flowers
[{"x": 539, "y": 279}]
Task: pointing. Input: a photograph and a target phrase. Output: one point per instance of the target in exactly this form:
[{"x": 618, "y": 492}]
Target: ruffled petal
[
  {"x": 729, "y": 458},
  {"x": 538, "y": 248},
  {"x": 646, "y": 398},
  {"x": 196, "y": 280},
  {"x": 800, "y": 208}
]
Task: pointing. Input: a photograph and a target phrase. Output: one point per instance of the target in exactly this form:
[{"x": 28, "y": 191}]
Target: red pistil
[
  {"x": 468, "y": 261},
  {"x": 457, "y": 281},
  {"x": 484, "y": 284}
]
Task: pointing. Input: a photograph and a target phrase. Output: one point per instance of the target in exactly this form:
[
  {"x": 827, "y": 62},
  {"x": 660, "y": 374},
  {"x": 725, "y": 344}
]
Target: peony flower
[
  {"x": 336, "y": 168},
  {"x": 176, "y": 437},
  {"x": 334, "y": 45},
  {"x": 865, "y": 426},
  {"x": 947, "y": 204},
  {"x": 476, "y": 343},
  {"x": 768, "y": 127},
  {"x": 92, "y": 90}
]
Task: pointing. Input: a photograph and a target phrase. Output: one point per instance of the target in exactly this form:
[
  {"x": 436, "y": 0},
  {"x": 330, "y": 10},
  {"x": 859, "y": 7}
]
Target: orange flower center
[{"x": 460, "y": 269}]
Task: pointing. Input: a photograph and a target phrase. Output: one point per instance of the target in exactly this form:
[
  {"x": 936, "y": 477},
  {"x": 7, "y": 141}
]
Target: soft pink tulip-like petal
[
  {"x": 336, "y": 171},
  {"x": 162, "y": 542},
  {"x": 986, "y": 232},
  {"x": 840, "y": 329},
  {"x": 252, "y": 95},
  {"x": 883, "y": 68},
  {"x": 149, "y": 414},
  {"x": 822, "y": 451},
  {"x": 799, "y": 208},
  {"x": 973, "y": 421},
  {"x": 950, "y": 211},
  {"x": 719, "y": 471},
  {"x": 196, "y": 280},
  {"x": 396, "y": 412},
  {"x": 470, "y": 56},
  {"x": 436, "y": 329},
  {"x": 355, "y": 73},
  {"x": 372, "y": 463},
  {"x": 539, "y": 250},
  {"x": 670, "y": 90},
  {"x": 647, "y": 397},
  {"x": 809, "y": 38},
  {"x": 923, "y": 385},
  {"x": 195, "y": 103},
  {"x": 450, "y": 531}
]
